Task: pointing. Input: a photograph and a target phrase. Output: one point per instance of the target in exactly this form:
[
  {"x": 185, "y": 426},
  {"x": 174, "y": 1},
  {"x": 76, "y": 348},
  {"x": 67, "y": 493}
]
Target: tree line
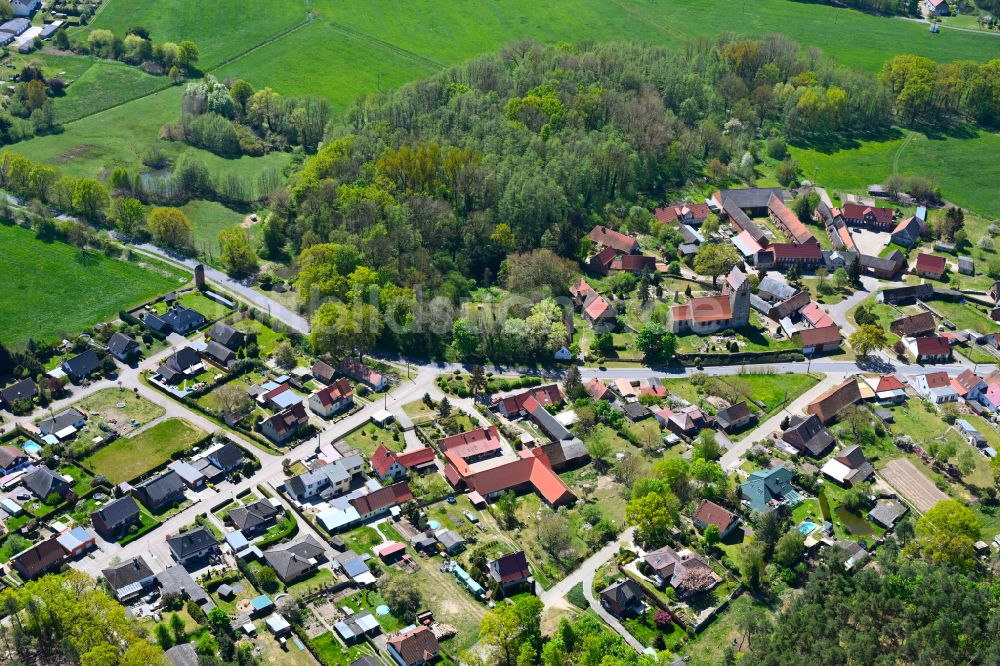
[{"x": 137, "y": 48}]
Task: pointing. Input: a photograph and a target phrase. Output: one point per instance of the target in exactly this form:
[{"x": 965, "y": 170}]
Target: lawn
[
  {"x": 965, "y": 168},
  {"x": 120, "y": 405},
  {"x": 102, "y": 86},
  {"x": 367, "y": 438},
  {"x": 965, "y": 315},
  {"x": 128, "y": 458},
  {"x": 52, "y": 289},
  {"x": 197, "y": 301},
  {"x": 708, "y": 648},
  {"x": 646, "y": 631},
  {"x": 331, "y": 652},
  {"x": 208, "y": 218},
  {"x": 362, "y": 539}
]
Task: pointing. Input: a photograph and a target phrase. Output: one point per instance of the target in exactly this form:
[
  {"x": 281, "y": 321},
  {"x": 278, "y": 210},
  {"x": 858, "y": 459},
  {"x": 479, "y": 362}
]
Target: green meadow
[{"x": 52, "y": 288}]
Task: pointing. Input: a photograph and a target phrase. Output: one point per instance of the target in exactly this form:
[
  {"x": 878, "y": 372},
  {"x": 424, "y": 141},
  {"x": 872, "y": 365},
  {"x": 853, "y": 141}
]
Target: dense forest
[{"x": 901, "y": 612}]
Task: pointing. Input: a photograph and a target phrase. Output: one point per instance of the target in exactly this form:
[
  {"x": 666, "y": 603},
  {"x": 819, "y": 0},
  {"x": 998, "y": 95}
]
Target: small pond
[{"x": 855, "y": 524}]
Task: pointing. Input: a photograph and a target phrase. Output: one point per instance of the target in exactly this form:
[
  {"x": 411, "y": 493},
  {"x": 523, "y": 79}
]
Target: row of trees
[{"x": 135, "y": 48}]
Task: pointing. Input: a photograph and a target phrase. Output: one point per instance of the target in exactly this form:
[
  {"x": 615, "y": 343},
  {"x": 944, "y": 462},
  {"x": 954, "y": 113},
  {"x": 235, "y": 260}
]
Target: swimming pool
[
  {"x": 31, "y": 447},
  {"x": 807, "y": 526}
]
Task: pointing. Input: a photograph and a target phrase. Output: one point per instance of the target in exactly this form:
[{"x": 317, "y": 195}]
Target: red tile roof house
[
  {"x": 930, "y": 266},
  {"x": 389, "y": 464},
  {"x": 468, "y": 466},
  {"x": 360, "y": 372},
  {"x": 580, "y": 292},
  {"x": 968, "y": 385},
  {"x": 414, "y": 647},
  {"x": 513, "y": 406},
  {"x": 831, "y": 403},
  {"x": 879, "y": 219},
  {"x": 914, "y": 325},
  {"x": 598, "y": 390},
  {"x": 693, "y": 214},
  {"x": 599, "y": 312},
  {"x": 991, "y": 394},
  {"x": 783, "y": 255},
  {"x": 818, "y": 340},
  {"x": 379, "y": 502},
  {"x": 931, "y": 348},
  {"x": 710, "y": 513},
  {"x": 609, "y": 238},
  {"x": 634, "y": 264},
  {"x": 788, "y": 221},
  {"x": 600, "y": 262},
  {"x": 334, "y": 398},
  {"x": 282, "y": 426}
]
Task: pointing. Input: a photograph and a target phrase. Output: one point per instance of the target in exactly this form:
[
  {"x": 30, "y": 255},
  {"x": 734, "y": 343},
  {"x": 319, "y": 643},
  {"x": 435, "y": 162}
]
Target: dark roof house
[
  {"x": 623, "y": 597},
  {"x": 161, "y": 490},
  {"x": 294, "y": 560},
  {"x": 414, "y": 647},
  {"x": 82, "y": 365},
  {"x": 227, "y": 336},
  {"x": 26, "y": 389},
  {"x": 191, "y": 545},
  {"x": 123, "y": 347},
  {"x": 808, "y": 435},
  {"x": 43, "y": 482},
  {"x": 115, "y": 517},
  {"x": 253, "y": 518},
  {"x": 734, "y": 417}
]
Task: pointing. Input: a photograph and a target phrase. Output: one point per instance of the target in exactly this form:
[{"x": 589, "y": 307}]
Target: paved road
[
  {"x": 733, "y": 456},
  {"x": 236, "y": 287}
]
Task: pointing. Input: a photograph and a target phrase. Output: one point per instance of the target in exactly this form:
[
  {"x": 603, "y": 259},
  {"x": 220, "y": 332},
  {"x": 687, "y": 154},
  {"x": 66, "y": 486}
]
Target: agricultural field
[
  {"x": 65, "y": 290},
  {"x": 127, "y": 458},
  {"x": 965, "y": 167}
]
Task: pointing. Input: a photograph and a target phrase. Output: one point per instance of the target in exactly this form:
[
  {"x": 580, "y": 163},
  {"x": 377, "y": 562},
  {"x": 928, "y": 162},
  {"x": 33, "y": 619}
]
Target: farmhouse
[
  {"x": 388, "y": 464},
  {"x": 913, "y": 325},
  {"x": 884, "y": 268},
  {"x": 606, "y": 238},
  {"x": 752, "y": 201},
  {"x": 930, "y": 266},
  {"x": 739, "y": 220},
  {"x": 692, "y": 214},
  {"x": 788, "y": 221},
  {"x": 784, "y": 255},
  {"x": 883, "y": 389},
  {"x": 906, "y": 295},
  {"x": 870, "y": 217},
  {"x": 707, "y": 314},
  {"x": 907, "y": 232},
  {"x": 831, "y": 403},
  {"x": 818, "y": 340},
  {"x": 929, "y": 348}
]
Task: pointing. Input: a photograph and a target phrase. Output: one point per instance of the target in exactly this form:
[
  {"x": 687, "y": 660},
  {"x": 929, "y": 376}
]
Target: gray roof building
[{"x": 296, "y": 559}]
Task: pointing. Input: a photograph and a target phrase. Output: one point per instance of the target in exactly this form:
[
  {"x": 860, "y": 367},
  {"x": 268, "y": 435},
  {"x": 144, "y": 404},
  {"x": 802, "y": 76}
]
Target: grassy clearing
[
  {"x": 65, "y": 291},
  {"x": 965, "y": 167},
  {"x": 208, "y": 218},
  {"x": 104, "y": 85},
  {"x": 106, "y": 404},
  {"x": 966, "y": 315},
  {"x": 368, "y": 438},
  {"x": 126, "y": 459}
]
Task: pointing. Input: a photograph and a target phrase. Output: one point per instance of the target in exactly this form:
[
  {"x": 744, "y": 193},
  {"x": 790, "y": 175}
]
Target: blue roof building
[{"x": 765, "y": 490}]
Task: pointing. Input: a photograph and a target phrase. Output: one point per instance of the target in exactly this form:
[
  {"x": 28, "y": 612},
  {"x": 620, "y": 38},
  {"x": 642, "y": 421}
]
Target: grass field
[
  {"x": 57, "y": 290},
  {"x": 104, "y": 85},
  {"x": 209, "y": 218},
  {"x": 965, "y": 168},
  {"x": 126, "y": 459}
]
